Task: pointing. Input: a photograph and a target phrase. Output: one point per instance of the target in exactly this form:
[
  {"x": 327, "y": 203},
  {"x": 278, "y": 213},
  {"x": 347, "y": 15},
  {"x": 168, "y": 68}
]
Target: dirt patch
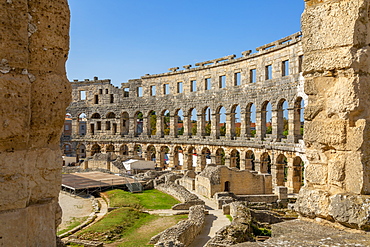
[
  {"x": 73, "y": 207},
  {"x": 160, "y": 223}
]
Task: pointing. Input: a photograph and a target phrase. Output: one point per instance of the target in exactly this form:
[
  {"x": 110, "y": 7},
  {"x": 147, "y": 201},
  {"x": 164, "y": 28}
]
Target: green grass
[
  {"x": 115, "y": 224},
  {"x": 72, "y": 224},
  {"x": 148, "y": 199},
  {"x": 134, "y": 238},
  {"x": 229, "y": 217}
]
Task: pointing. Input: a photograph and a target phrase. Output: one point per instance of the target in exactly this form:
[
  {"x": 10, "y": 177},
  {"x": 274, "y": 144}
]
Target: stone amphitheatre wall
[
  {"x": 35, "y": 92},
  {"x": 336, "y": 70},
  {"x": 270, "y": 75}
]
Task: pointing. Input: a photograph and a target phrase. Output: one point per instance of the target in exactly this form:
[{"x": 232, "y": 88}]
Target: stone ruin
[
  {"x": 34, "y": 44},
  {"x": 35, "y": 92}
]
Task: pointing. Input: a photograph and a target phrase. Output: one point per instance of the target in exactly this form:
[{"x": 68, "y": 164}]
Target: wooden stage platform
[{"x": 93, "y": 181}]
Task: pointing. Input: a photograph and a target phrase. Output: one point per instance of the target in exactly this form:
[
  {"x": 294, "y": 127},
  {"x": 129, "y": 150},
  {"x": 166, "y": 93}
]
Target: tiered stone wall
[
  {"x": 33, "y": 97},
  {"x": 112, "y": 113}
]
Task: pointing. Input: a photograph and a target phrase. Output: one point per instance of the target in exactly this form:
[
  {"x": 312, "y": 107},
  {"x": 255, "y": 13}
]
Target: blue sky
[{"x": 126, "y": 39}]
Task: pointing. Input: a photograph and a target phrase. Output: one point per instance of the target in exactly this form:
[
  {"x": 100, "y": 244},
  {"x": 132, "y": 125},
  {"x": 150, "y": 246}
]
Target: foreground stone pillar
[
  {"x": 34, "y": 95},
  {"x": 336, "y": 67}
]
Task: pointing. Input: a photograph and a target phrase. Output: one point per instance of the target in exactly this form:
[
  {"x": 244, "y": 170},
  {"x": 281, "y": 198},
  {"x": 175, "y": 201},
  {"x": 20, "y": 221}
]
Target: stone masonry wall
[
  {"x": 184, "y": 232},
  {"x": 336, "y": 69},
  {"x": 34, "y": 44}
]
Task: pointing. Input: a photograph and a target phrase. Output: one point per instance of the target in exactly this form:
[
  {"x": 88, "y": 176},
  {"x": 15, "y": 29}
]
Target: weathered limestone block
[
  {"x": 184, "y": 232},
  {"x": 34, "y": 94},
  {"x": 336, "y": 65},
  {"x": 238, "y": 231}
]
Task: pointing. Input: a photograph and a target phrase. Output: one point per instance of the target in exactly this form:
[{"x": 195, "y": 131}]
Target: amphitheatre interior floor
[{"x": 93, "y": 180}]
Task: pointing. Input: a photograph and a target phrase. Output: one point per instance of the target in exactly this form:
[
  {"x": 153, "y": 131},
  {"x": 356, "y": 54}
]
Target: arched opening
[
  {"x": 235, "y": 158},
  {"x": 281, "y": 170},
  {"x": 164, "y": 157},
  {"x": 123, "y": 150},
  {"x": 235, "y": 127},
  {"x": 95, "y": 149},
  {"x": 227, "y": 186},
  {"x": 82, "y": 123},
  {"x": 249, "y": 160},
  {"x": 250, "y": 118},
  {"x": 178, "y": 157},
  {"x": 282, "y": 119},
  {"x": 220, "y": 156},
  {"x": 179, "y": 122},
  {"x": 151, "y": 153},
  {"x": 206, "y": 121},
  {"x": 205, "y": 158},
  {"x": 192, "y": 158},
  {"x": 298, "y": 174},
  {"x": 111, "y": 115},
  {"x": 193, "y": 126},
  {"x": 95, "y": 116},
  {"x": 80, "y": 153},
  {"x": 265, "y": 163},
  {"x": 110, "y": 124},
  {"x": 110, "y": 149},
  {"x": 125, "y": 123},
  {"x": 298, "y": 118},
  {"x": 152, "y": 123},
  {"x": 138, "y": 123},
  {"x": 266, "y": 119},
  {"x": 137, "y": 151},
  {"x": 67, "y": 150},
  {"x": 221, "y": 121},
  {"x": 166, "y": 125}
]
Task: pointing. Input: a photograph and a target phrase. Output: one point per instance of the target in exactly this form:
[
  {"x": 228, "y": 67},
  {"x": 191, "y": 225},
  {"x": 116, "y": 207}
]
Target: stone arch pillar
[
  {"x": 75, "y": 126},
  {"x": 260, "y": 124},
  {"x": 174, "y": 121},
  {"x": 200, "y": 124},
  {"x": 215, "y": 128},
  {"x": 230, "y": 125},
  {"x": 187, "y": 125}
]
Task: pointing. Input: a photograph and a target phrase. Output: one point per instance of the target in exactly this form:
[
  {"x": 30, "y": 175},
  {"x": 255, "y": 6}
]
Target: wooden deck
[{"x": 92, "y": 180}]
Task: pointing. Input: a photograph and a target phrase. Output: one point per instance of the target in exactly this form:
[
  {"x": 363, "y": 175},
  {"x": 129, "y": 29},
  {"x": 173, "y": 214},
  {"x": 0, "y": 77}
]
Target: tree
[{"x": 194, "y": 128}]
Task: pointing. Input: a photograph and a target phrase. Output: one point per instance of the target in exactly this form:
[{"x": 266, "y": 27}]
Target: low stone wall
[
  {"x": 186, "y": 198},
  {"x": 238, "y": 231},
  {"x": 184, "y": 232}
]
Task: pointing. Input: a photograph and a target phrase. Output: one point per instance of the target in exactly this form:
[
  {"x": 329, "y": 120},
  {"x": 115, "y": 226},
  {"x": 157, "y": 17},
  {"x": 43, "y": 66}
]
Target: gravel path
[{"x": 73, "y": 207}]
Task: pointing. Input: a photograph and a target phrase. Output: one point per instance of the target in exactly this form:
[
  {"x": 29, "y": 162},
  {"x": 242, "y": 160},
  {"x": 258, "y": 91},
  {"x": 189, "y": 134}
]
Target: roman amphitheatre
[{"x": 266, "y": 136}]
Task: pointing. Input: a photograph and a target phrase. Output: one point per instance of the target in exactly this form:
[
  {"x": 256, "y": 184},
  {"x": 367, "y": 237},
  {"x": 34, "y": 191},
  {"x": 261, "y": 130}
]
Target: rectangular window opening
[
  {"x": 222, "y": 82},
  {"x": 300, "y": 63},
  {"x": 96, "y": 99},
  {"x": 126, "y": 92},
  {"x": 237, "y": 79},
  {"x": 253, "y": 76},
  {"x": 152, "y": 91},
  {"x": 106, "y": 91},
  {"x": 82, "y": 95},
  {"x": 179, "y": 87},
  {"x": 98, "y": 127},
  {"x": 166, "y": 89},
  {"x": 139, "y": 91},
  {"x": 193, "y": 86},
  {"x": 268, "y": 72},
  {"x": 100, "y": 91},
  {"x": 208, "y": 84},
  {"x": 285, "y": 68},
  {"x": 111, "y": 98}
]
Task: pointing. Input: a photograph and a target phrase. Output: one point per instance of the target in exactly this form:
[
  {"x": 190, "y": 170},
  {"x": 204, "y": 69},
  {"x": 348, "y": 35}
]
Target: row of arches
[
  {"x": 262, "y": 122},
  {"x": 286, "y": 170}
]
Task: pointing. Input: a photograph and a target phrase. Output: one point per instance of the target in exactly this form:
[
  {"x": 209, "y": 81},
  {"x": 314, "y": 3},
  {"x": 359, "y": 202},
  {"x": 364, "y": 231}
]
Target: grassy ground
[
  {"x": 148, "y": 199},
  {"x": 72, "y": 224},
  {"x": 128, "y": 226}
]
